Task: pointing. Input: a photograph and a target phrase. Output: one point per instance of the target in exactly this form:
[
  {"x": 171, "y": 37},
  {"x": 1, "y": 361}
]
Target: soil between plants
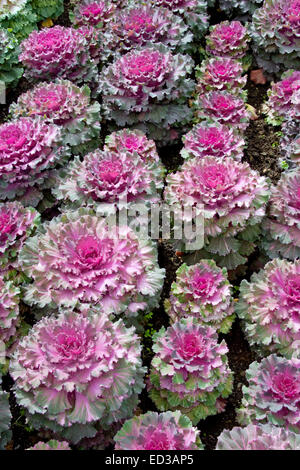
[{"x": 262, "y": 154}]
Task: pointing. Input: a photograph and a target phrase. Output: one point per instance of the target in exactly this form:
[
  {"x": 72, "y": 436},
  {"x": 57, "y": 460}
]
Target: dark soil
[
  {"x": 262, "y": 155},
  {"x": 262, "y": 150}
]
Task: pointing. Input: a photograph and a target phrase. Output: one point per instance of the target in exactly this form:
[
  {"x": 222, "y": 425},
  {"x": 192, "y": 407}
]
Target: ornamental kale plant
[
  {"x": 158, "y": 431},
  {"x": 273, "y": 394},
  {"x": 93, "y": 13},
  {"x": 47, "y": 8},
  {"x": 132, "y": 141},
  {"x": 148, "y": 88},
  {"x": 110, "y": 177},
  {"x": 234, "y": 198},
  {"x": 17, "y": 223},
  {"x": 221, "y": 74},
  {"x": 18, "y": 17},
  {"x": 194, "y": 12},
  {"x": 76, "y": 373},
  {"x": 240, "y": 6},
  {"x": 282, "y": 233},
  {"x": 51, "y": 445},
  {"x": 5, "y": 418},
  {"x": 223, "y": 107},
  {"x": 29, "y": 148},
  {"x": 269, "y": 307},
  {"x": 228, "y": 39},
  {"x": 64, "y": 104},
  {"x": 10, "y": 71},
  {"x": 213, "y": 139},
  {"x": 190, "y": 371},
  {"x": 9, "y": 310},
  {"x": 88, "y": 260},
  {"x": 57, "y": 52},
  {"x": 266, "y": 437},
  {"x": 202, "y": 291},
  {"x": 280, "y": 103},
  {"x": 138, "y": 26},
  {"x": 275, "y": 34}
]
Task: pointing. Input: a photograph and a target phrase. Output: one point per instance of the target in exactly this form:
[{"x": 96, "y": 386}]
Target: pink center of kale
[
  {"x": 219, "y": 69},
  {"x": 190, "y": 345},
  {"x": 94, "y": 9},
  {"x": 225, "y": 32},
  {"x": 93, "y": 252},
  {"x": 138, "y": 21},
  {"x": 293, "y": 12},
  {"x": 292, "y": 288},
  {"x": 11, "y": 136},
  {"x": 132, "y": 143},
  {"x": 49, "y": 39},
  {"x": 109, "y": 171},
  {"x": 70, "y": 345},
  {"x": 223, "y": 103},
  {"x": 210, "y": 137},
  {"x": 215, "y": 177},
  {"x": 47, "y": 99},
  {"x": 201, "y": 283},
  {"x": 145, "y": 67},
  {"x": 158, "y": 441},
  {"x": 285, "y": 386}
]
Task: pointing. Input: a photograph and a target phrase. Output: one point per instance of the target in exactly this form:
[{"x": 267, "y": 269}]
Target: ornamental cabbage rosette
[
  {"x": 282, "y": 232},
  {"x": 239, "y": 6},
  {"x": 223, "y": 107},
  {"x": 65, "y": 105},
  {"x": 269, "y": 307},
  {"x": 158, "y": 431},
  {"x": 58, "y": 52},
  {"x": 111, "y": 177},
  {"x": 132, "y": 141},
  {"x": 148, "y": 86},
  {"x": 90, "y": 261},
  {"x": 75, "y": 373},
  {"x": 144, "y": 25},
  {"x": 280, "y": 103},
  {"x": 45, "y": 9},
  {"x": 18, "y": 17},
  {"x": 190, "y": 371},
  {"x": 221, "y": 74},
  {"x": 5, "y": 418},
  {"x": 17, "y": 223},
  {"x": 202, "y": 291},
  {"x": 194, "y": 12},
  {"x": 275, "y": 32},
  {"x": 9, "y": 310},
  {"x": 93, "y": 13},
  {"x": 232, "y": 199},
  {"x": 29, "y": 148},
  {"x": 51, "y": 445},
  {"x": 10, "y": 71},
  {"x": 266, "y": 437},
  {"x": 228, "y": 39},
  {"x": 213, "y": 139},
  {"x": 273, "y": 393}
]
